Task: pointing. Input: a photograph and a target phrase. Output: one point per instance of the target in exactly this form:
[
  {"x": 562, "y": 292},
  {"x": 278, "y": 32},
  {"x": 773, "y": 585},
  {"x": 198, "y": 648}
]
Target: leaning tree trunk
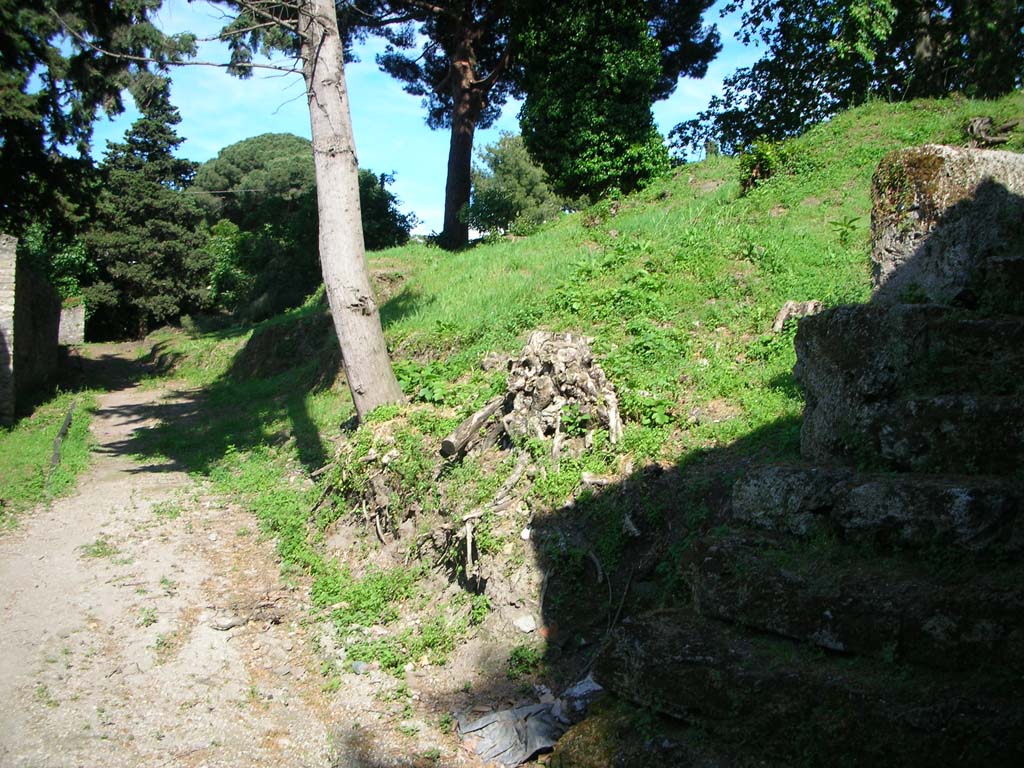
[{"x": 342, "y": 257}]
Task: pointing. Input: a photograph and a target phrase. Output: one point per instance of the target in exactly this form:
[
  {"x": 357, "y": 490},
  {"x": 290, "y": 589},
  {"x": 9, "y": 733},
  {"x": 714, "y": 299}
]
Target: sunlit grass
[{"x": 26, "y": 477}]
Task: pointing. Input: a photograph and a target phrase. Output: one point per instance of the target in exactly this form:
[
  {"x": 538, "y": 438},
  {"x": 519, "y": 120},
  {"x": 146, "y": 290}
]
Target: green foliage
[
  {"x": 230, "y": 283},
  {"x": 167, "y": 510},
  {"x": 522, "y": 661},
  {"x": 25, "y": 452},
  {"x": 480, "y": 606},
  {"x": 53, "y": 84},
  {"x": 265, "y": 187},
  {"x": 510, "y": 191},
  {"x": 101, "y": 547},
  {"x": 372, "y": 599},
  {"x": 590, "y": 74},
  {"x": 145, "y": 237},
  {"x": 823, "y": 56},
  {"x": 266, "y": 179},
  {"x": 423, "y": 383},
  {"x": 434, "y": 639},
  {"x": 66, "y": 263},
  {"x": 845, "y": 228},
  {"x": 676, "y": 285},
  {"x": 383, "y": 225},
  {"x": 763, "y": 160}
]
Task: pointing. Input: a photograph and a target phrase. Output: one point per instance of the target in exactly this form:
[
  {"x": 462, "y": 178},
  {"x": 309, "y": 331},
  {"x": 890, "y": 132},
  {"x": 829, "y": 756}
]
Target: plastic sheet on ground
[{"x": 512, "y": 736}]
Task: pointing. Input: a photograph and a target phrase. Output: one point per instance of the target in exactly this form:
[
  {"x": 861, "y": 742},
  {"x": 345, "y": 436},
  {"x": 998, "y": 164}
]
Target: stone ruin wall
[
  {"x": 72, "y": 325},
  {"x": 29, "y": 323},
  {"x": 7, "y": 275}
]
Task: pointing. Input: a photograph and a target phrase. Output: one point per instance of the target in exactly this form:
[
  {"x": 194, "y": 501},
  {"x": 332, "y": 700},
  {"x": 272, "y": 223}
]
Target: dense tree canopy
[
  {"x": 145, "y": 238},
  {"x": 265, "y": 186},
  {"x": 263, "y": 180},
  {"x": 825, "y": 55},
  {"x": 472, "y": 54},
  {"x": 53, "y": 82},
  {"x": 591, "y": 73}
]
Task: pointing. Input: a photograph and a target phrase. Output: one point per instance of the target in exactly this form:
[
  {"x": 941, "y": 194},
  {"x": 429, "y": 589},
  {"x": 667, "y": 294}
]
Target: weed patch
[
  {"x": 522, "y": 661},
  {"x": 99, "y": 548}
]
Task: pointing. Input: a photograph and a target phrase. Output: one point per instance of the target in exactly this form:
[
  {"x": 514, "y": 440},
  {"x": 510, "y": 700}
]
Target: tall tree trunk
[
  {"x": 468, "y": 99},
  {"x": 930, "y": 44},
  {"x": 342, "y": 258},
  {"x": 994, "y": 43},
  {"x": 457, "y": 189}
]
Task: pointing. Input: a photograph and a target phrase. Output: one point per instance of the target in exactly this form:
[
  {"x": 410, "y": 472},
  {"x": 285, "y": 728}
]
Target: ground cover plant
[{"x": 26, "y": 451}]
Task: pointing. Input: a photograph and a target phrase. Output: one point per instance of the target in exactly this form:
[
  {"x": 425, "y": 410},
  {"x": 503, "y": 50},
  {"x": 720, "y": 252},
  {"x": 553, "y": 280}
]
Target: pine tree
[{"x": 146, "y": 237}]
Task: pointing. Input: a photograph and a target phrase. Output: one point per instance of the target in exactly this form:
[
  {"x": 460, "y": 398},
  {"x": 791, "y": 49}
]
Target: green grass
[
  {"x": 167, "y": 510},
  {"x": 26, "y": 449},
  {"x": 680, "y": 287},
  {"x": 522, "y": 661}
]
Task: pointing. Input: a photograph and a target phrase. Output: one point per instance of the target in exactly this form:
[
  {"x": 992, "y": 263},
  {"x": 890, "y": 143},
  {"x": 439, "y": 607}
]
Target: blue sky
[{"x": 391, "y": 136}]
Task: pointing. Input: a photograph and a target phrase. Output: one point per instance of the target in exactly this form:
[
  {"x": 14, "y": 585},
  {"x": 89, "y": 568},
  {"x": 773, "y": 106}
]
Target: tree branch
[
  {"x": 224, "y": 34},
  {"x": 252, "y": 8},
  {"x": 161, "y": 62},
  {"x": 494, "y": 12},
  {"x": 432, "y": 9},
  {"x": 487, "y": 82}
]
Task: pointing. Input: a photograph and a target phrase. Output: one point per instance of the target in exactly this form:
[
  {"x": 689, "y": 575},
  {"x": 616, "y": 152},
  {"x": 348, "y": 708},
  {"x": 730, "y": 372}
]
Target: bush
[
  {"x": 511, "y": 192},
  {"x": 764, "y": 160}
]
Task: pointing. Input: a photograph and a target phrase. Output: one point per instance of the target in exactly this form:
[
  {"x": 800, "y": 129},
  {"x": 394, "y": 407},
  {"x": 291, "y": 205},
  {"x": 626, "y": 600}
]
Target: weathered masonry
[
  {"x": 72, "y": 325},
  {"x": 29, "y": 321},
  {"x": 7, "y": 275}
]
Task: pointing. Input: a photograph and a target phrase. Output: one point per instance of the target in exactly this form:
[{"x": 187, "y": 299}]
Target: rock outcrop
[{"x": 867, "y": 607}]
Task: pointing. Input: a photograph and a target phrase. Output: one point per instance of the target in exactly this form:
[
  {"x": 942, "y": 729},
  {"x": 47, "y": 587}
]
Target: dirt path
[
  {"x": 115, "y": 606},
  {"x": 144, "y": 622}
]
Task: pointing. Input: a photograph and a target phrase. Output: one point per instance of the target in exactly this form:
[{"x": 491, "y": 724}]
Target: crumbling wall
[
  {"x": 37, "y": 325},
  {"x": 30, "y": 307},
  {"x": 7, "y": 277},
  {"x": 947, "y": 224},
  {"x": 72, "y": 325}
]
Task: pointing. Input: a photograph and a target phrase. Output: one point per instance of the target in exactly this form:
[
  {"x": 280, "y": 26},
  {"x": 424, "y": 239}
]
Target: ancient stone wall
[
  {"x": 72, "y": 325},
  {"x": 36, "y": 325},
  {"x": 947, "y": 224},
  {"x": 7, "y": 277},
  {"x": 927, "y": 375},
  {"x": 29, "y": 323}
]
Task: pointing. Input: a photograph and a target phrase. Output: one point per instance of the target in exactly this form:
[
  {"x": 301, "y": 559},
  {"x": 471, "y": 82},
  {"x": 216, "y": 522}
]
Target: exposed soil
[{"x": 146, "y": 623}]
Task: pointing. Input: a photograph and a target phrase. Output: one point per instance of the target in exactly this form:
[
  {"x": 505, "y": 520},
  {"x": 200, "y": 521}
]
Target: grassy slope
[{"x": 677, "y": 286}]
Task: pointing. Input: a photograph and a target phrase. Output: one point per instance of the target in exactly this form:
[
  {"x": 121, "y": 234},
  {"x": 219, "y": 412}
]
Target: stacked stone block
[{"x": 72, "y": 325}]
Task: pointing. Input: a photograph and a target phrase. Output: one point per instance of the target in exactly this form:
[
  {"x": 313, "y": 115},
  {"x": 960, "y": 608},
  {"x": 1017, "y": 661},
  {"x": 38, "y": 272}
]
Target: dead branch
[
  {"x": 983, "y": 132},
  {"x": 459, "y": 439}
]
